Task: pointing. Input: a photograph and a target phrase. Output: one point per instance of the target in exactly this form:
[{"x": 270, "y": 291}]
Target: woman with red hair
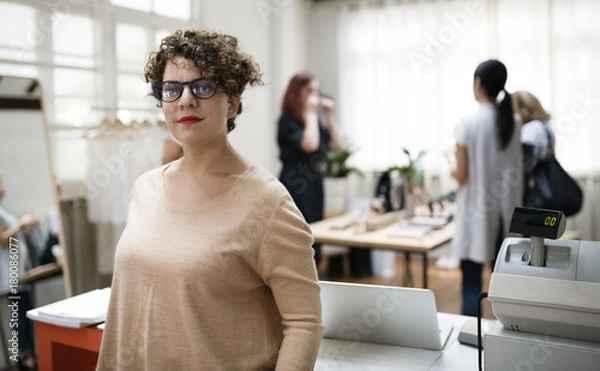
[{"x": 303, "y": 138}]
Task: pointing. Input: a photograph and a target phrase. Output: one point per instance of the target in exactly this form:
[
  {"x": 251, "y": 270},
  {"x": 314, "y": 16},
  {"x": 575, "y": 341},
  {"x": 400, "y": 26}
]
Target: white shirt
[
  {"x": 493, "y": 188},
  {"x": 535, "y": 133}
]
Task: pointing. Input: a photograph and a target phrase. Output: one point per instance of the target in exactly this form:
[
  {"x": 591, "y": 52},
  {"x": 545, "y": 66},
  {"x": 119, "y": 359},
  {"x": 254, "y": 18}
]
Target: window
[
  {"x": 406, "y": 72},
  {"x": 89, "y": 58},
  {"x": 133, "y": 45},
  {"x": 17, "y": 45},
  {"x": 170, "y": 8}
]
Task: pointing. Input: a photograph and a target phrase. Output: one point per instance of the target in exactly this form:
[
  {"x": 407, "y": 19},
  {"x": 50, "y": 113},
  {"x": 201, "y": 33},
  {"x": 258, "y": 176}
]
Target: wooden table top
[{"x": 331, "y": 231}]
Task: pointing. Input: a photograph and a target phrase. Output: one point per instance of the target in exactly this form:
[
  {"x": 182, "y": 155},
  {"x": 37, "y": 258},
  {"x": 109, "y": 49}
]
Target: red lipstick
[{"x": 189, "y": 120}]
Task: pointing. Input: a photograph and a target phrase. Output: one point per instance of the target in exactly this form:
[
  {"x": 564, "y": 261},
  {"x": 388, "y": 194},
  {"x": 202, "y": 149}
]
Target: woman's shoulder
[
  {"x": 534, "y": 129},
  {"x": 155, "y": 173},
  {"x": 268, "y": 195},
  {"x": 479, "y": 121},
  {"x": 262, "y": 187},
  {"x": 486, "y": 112},
  {"x": 287, "y": 118},
  {"x": 536, "y": 125},
  {"x": 151, "y": 178},
  {"x": 261, "y": 180}
]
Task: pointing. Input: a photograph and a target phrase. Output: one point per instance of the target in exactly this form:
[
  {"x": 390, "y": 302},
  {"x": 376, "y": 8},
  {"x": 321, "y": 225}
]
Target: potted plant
[
  {"x": 412, "y": 171},
  {"x": 335, "y": 163},
  {"x": 413, "y": 176}
]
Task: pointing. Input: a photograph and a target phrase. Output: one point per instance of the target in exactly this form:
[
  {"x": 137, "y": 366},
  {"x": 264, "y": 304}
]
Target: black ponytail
[
  {"x": 492, "y": 74},
  {"x": 506, "y": 120}
]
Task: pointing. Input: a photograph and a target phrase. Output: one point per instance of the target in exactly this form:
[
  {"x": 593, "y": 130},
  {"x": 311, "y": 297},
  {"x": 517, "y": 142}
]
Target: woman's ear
[
  {"x": 479, "y": 91},
  {"x": 234, "y": 105},
  {"x": 476, "y": 83}
]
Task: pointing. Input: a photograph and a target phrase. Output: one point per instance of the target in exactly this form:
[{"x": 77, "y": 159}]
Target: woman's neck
[{"x": 222, "y": 160}]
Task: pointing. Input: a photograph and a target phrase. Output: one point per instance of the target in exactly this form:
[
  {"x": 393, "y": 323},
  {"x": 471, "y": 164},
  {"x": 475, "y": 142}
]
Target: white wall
[
  {"x": 323, "y": 52},
  {"x": 274, "y": 34},
  {"x": 24, "y": 162}
]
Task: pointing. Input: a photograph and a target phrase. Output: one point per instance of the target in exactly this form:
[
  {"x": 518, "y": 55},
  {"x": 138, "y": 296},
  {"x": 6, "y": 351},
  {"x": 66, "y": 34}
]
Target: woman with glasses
[
  {"x": 303, "y": 140},
  {"x": 214, "y": 270},
  {"x": 487, "y": 166}
]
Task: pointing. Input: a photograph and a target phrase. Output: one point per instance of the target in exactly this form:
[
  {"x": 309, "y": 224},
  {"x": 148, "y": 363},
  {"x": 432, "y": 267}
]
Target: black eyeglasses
[{"x": 170, "y": 91}]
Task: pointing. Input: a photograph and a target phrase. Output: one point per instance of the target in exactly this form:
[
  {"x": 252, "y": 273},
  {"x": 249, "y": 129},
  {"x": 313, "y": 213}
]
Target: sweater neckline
[{"x": 240, "y": 179}]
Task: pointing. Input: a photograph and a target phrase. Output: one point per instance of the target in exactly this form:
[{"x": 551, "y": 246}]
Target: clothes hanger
[
  {"x": 92, "y": 131},
  {"x": 106, "y": 129}
]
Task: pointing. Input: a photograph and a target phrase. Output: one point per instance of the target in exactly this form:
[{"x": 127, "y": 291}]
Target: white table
[{"x": 352, "y": 356}]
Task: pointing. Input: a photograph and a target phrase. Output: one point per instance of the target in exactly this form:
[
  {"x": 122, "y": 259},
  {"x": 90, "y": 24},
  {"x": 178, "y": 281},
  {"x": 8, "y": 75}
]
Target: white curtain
[
  {"x": 406, "y": 73},
  {"x": 406, "y": 76}
]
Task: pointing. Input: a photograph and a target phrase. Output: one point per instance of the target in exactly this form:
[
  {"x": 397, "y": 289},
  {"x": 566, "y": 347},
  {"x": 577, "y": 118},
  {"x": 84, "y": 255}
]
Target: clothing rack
[{"x": 116, "y": 128}]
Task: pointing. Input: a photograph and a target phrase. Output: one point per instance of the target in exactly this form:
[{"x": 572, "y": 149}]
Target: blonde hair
[{"x": 528, "y": 107}]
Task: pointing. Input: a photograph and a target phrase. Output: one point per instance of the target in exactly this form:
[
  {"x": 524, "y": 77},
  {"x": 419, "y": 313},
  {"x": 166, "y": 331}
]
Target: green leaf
[{"x": 335, "y": 163}]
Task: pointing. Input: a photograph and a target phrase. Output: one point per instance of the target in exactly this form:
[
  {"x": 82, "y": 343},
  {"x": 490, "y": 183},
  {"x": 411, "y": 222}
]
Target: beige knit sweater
[{"x": 228, "y": 285}]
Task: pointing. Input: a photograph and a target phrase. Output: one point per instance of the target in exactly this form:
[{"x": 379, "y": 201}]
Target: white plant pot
[
  {"x": 336, "y": 196},
  {"x": 383, "y": 263},
  {"x": 409, "y": 203}
]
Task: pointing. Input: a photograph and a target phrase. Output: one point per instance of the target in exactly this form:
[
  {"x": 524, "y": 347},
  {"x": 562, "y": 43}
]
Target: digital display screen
[{"x": 537, "y": 222}]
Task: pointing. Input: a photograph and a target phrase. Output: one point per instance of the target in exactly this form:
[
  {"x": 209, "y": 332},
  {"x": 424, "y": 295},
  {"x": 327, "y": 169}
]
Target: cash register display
[{"x": 537, "y": 222}]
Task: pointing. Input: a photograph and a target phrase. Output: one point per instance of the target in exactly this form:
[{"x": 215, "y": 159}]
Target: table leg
[
  {"x": 425, "y": 264},
  {"x": 360, "y": 262},
  {"x": 408, "y": 277}
]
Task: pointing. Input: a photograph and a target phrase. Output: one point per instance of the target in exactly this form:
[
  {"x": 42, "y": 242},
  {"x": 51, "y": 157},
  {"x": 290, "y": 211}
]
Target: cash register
[{"x": 545, "y": 293}]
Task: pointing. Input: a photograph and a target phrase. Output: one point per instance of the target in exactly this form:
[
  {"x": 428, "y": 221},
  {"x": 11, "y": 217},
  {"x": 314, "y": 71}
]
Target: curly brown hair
[{"x": 215, "y": 54}]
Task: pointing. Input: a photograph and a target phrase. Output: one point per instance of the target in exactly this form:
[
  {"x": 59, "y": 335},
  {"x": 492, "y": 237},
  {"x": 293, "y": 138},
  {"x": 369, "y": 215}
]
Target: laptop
[{"x": 388, "y": 315}]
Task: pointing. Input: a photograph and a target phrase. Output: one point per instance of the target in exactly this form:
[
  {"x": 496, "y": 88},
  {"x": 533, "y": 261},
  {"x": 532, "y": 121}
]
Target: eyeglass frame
[{"x": 158, "y": 89}]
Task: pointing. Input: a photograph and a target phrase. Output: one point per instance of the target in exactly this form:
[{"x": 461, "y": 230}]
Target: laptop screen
[{"x": 382, "y": 314}]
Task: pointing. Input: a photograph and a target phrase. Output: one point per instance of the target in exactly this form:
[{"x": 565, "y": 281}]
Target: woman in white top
[{"x": 487, "y": 166}]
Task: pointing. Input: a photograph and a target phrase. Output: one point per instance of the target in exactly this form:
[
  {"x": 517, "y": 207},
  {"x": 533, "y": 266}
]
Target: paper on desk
[
  {"x": 342, "y": 224},
  {"x": 409, "y": 230},
  {"x": 432, "y": 221},
  {"x": 78, "y": 311}
]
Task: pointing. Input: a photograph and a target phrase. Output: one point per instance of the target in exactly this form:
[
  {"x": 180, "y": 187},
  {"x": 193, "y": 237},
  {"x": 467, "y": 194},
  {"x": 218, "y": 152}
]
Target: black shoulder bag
[{"x": 549, "y": 186}]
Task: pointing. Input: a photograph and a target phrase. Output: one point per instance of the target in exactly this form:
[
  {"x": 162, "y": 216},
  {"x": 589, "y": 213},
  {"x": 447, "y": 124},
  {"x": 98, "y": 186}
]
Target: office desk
[
  {"x": 353, "y": 356},
  {"x": 62, "y": 348},
  {"x": 324, "y": 231}
]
